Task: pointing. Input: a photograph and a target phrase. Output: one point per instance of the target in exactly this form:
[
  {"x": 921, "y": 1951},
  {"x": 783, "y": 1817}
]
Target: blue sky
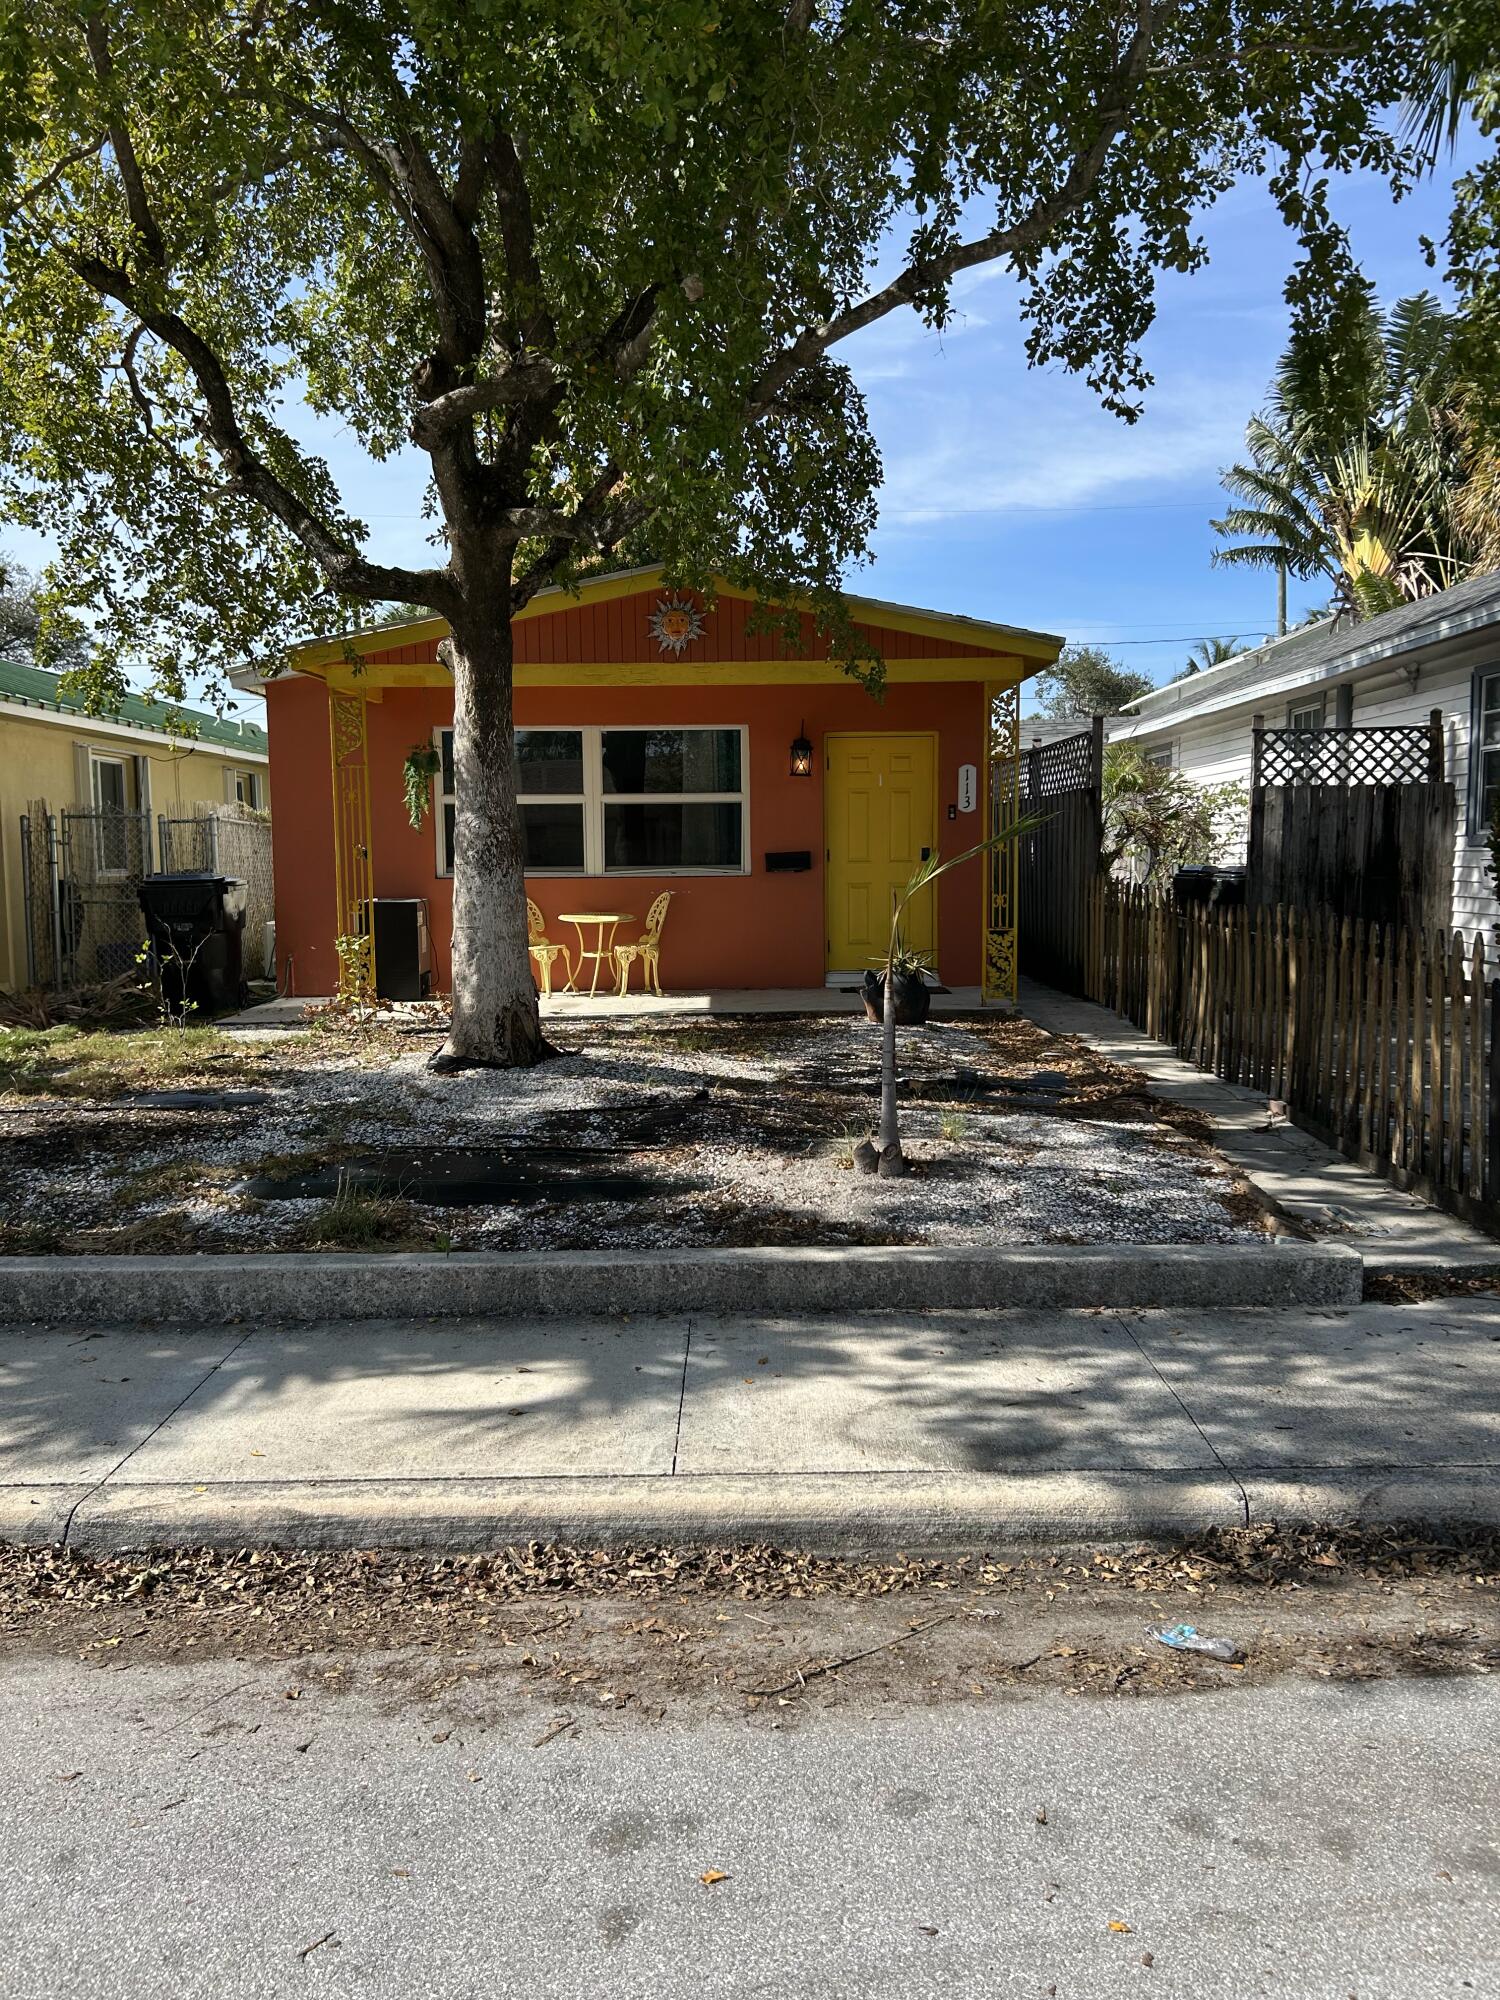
[
  {"x": 1008, "y": 493},
  {"x": 1011, "y": 494}
]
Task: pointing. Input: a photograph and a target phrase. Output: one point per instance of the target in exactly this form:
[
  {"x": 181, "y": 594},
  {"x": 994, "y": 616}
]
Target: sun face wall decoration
[{"x": 675, "y": 623}]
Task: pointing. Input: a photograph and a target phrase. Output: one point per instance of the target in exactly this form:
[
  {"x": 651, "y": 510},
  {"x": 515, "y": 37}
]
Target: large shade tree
[{"x": 594, "y": 260}]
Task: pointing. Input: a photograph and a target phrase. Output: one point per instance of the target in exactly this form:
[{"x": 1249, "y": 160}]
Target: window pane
[
  {"x": 448, "y": 838},
  {"x": 553, "y": 837},
  {"x": 664, "y": 834},
  {"x": 109, "y": 787},
  {"x": 447, "y": 736},
  {"x": 549, "y": 760},
  {"x": 671, "y": 760},
  {"x": 1490, "y": 782}
]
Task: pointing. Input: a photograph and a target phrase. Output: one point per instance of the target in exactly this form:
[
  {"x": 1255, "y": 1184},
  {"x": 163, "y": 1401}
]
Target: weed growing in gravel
[{"x": 64, "y": 1062}]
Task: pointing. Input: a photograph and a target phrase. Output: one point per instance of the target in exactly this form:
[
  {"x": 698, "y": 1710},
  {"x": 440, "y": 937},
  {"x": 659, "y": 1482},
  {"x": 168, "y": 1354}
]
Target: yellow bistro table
[{"x": 604, "y": 947}]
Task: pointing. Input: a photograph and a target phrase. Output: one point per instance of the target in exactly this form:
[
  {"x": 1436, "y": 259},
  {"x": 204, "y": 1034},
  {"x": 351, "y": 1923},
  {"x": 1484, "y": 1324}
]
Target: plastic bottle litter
[{"x": 1188, "y": 1639}]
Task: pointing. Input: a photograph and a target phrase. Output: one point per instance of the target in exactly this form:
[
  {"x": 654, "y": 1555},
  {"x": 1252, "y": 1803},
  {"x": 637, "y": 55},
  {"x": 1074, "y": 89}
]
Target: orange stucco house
[{"x": 664, "y": 744}]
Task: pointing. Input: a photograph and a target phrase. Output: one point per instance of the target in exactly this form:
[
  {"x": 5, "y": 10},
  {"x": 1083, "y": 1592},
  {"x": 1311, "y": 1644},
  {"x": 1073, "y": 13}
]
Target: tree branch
[
  {"x": 526, "y": 380},
  {"x": 601, "y": 518},
  {"x": 347, "y": 570},
  {"x": 1029, "y": 233},
  {"x": 137, "y": 206},
  {"x": 50, "y": 179},
  {"x": 534, "y": 325}
]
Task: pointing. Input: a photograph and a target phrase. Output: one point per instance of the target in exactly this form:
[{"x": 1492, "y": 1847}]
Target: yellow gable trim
[{"x": 1040, "y": 647}]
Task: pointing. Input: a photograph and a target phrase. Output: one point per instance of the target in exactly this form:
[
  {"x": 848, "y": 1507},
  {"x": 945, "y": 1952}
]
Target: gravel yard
[{"x": 702, "y": 1131}]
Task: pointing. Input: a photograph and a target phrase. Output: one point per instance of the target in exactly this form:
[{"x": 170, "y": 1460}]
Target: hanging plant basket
[{"x": 422, "y": 765}]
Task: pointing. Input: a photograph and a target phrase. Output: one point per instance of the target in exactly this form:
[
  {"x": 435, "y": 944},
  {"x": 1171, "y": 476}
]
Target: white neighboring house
[{"x": 1442, "y": 652}]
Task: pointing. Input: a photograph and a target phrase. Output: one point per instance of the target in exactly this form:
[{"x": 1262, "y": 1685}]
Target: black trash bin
[
  {"x": 1218, "y": 888},
  {"x": 196, "y": 926}
]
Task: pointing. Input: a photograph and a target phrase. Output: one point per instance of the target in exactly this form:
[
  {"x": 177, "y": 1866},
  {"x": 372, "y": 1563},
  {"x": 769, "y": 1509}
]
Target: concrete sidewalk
[
  {"x": 1339, "y": 1202},
  {"x": 878, "y": 1433}
]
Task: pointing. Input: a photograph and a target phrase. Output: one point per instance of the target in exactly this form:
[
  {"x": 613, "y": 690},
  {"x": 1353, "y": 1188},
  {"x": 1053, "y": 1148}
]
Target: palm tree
[
  {"x": 1360, "y": 467},
  {"x": 886, "y": 1146},
  {"x": 1210, "y": 653}
]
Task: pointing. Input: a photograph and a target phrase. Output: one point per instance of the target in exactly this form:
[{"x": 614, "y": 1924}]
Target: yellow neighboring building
[{"x": 143, "y": 759}]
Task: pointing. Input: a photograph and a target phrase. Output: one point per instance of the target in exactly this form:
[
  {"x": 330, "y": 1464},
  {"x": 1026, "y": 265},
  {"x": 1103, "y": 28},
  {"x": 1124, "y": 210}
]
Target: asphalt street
[{"x": 194, "y": 1831}]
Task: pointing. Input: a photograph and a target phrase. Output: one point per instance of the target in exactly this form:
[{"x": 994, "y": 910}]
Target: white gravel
[{"x": 1004, "y": 1175}]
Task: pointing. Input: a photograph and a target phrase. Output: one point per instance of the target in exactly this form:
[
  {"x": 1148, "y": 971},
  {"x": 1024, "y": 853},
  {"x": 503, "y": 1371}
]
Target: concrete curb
[
  {"x": 1377, "y": 1494},
  {"x": 848, "y": 1514},
  {"x": 585, "y": 1284},
  {"x": 831, "y": 1514}
]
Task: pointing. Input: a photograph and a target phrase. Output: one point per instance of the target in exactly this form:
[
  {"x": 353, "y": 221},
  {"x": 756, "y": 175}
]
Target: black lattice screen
[
  {"x": 1049, "y": 769},
  {"x": 1398, "y": 755}
]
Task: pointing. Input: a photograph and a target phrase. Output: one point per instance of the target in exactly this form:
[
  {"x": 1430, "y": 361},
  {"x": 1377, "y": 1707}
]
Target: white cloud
[{"x": 1003, "y": 438}]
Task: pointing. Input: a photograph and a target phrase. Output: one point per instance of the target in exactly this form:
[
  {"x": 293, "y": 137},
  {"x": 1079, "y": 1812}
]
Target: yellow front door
[{"x": 880, "y": 822}]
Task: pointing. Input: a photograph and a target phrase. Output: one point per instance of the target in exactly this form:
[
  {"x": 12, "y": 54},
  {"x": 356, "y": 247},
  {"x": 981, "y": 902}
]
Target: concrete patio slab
[
  {"x": 283, "y": 1012},
  {"x": 1388, "y": 1386},
  {"x": 398, "y": 1401},
  {"x": 1338, "y": 1201},
  {"x": 1000, "y": 1393}
]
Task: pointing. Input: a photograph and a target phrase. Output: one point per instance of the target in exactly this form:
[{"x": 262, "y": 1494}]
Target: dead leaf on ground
[
  {"x": 1116, "y": 1925},
  {"x": 712, "y": 1875}
]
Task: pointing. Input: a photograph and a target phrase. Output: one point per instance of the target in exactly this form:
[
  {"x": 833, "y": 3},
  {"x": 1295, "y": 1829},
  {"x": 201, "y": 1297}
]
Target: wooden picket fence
[{"x": 1379, "y": 1041}]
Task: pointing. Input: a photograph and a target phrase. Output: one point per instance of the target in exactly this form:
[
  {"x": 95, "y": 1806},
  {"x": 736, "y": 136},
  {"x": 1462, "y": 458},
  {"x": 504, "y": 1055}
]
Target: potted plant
[{"x": 909, "y": 988}]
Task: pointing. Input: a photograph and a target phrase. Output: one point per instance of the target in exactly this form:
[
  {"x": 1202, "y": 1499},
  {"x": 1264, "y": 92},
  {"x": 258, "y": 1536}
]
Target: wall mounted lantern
[{"x": 802, "y": 755}]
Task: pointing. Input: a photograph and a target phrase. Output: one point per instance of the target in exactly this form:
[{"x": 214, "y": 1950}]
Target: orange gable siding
[{"x": 619, "y": 630}]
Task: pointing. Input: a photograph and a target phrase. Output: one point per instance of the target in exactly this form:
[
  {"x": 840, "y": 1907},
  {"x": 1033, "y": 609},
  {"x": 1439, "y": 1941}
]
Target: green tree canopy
[
  {"x": 21, "y": 624},
  {"x": 1158, "y": 820},
  {"x": 1086, "y": 680},
  {"x": 593, "y": 262}
]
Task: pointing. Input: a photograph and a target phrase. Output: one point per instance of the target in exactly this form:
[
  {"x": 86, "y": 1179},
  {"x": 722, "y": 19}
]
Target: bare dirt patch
[
  {"x": 580, "y": 1635},
  {"x": 719, "y": 1131}
]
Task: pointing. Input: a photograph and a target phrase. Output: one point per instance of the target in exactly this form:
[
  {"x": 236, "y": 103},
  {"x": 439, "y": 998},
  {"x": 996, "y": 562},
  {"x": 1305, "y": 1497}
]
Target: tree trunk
[
  {"x": 495, "y": 1022},
  {"x": 889, "y": 1131}
]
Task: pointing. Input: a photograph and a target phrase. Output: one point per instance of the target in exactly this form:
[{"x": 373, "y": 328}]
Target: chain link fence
[
  {"x": 227, "y": 840},
  {"x": 82, "y": 869}
]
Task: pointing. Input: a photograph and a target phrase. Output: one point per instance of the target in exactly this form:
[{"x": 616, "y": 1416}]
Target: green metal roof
[{"x": 36, "y": 688}]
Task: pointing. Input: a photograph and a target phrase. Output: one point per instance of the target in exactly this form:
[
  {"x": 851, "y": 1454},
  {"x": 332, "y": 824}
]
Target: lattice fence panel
[
  {"x": 1049, "y": 769},
  {"x": 1399, "y": 754}
]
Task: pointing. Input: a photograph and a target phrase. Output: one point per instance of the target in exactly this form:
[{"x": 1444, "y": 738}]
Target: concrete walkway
[
  {"x": 1339, "y": 1202},
  {"x": 880, "y": 1433}
]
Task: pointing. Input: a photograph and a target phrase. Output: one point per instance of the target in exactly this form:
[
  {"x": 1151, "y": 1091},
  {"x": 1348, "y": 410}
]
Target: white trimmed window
[
  {"x": 246, "y": 788},
  {"x": 109, "y": 786},
  {"x": 631, "y": 801},
  {"x": 1484, "y": 753},
  {"x": 1305, "y": 715},
  {"x": 1161, "y": 757}
]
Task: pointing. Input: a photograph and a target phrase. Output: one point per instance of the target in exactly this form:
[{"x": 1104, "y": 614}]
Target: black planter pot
[{"x": 913, "y": 998}]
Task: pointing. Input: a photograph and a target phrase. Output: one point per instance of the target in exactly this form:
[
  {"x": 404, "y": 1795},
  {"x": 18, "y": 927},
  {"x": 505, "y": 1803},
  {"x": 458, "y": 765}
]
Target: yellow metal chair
[
  {"x": 647, "y": 948},
  {"x": 543, "y": 950}
]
